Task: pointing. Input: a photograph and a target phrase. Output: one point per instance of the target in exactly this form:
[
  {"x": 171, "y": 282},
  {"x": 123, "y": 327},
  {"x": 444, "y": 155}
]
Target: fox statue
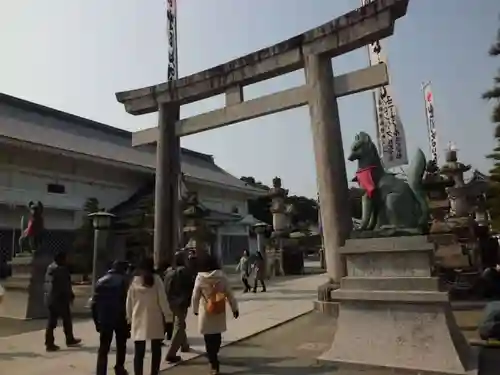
[{"x": 388, "y": 201}]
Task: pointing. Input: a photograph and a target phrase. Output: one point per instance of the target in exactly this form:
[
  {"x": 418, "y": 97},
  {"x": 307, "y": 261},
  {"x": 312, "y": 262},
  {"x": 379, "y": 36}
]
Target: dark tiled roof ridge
[{"x": 95, "y": 125}]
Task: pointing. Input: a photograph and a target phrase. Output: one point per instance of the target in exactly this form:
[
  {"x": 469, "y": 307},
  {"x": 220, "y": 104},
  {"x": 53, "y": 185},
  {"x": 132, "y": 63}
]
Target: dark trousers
[
  {"x": 179, "y": 338},
  {"x": 140, "y": 351},
  {"x": 63, "y": 312},
  {"x": 257, "y": 280},
  {"x": 244, "y": 280},
  {"x": 105, "y": 338},
  {"x": 168, "y": 329},
  {"x": 212, "y": 346}
]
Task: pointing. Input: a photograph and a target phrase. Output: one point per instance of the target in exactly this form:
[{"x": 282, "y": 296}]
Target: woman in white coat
[
  {"x": 210, "y": 281},
  {"x": 147, "y": 310}
]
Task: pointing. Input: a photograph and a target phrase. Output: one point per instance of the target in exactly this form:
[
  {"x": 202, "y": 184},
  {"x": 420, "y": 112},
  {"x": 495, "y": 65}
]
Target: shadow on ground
[
  {"x": 17, "y": 355},
  {"x": 11, "y": 326},
  {"x": 290, "y": 349}
]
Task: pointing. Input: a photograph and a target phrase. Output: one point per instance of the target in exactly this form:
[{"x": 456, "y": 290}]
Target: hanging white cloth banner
[{"x": 392, "y": 139}]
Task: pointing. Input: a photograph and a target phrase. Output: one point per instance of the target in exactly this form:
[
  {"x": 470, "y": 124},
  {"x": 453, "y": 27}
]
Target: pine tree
[
  {"x": 81, "y": 258},
  {"x": 494, "y": 188}
]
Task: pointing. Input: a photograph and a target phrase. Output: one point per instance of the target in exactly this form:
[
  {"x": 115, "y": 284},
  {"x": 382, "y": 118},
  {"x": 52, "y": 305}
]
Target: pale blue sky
[{"x": 74, "y": 55}]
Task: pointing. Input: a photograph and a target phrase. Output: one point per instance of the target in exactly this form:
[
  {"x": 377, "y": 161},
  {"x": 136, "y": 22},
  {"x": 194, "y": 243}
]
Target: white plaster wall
[
  {"x": 10, "y": 217},
  {"x": 222, "y": 200},
  {"x": 24, "y": 176}
]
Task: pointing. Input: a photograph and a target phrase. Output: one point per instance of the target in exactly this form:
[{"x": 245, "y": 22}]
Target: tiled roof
[{"x": 193, "y": 164}]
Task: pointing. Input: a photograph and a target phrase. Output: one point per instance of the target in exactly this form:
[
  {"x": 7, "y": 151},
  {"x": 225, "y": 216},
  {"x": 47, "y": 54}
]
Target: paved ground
[
  {"x": 285, "y": 300},
  {"x": 290, "y": 349},
  {"x": 14, "y": 304},
  {"x": 13, "y": 326}
]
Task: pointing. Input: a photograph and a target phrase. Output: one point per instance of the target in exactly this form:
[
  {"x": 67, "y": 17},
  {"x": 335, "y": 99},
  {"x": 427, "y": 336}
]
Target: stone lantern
[
  {"x": 453, "y": 234},
  {"x": 278, "y": 196},
  {"x": 274, "y": 254},
  {"x": 196, "y": 232},
  {"x": 260, "y": 229},
  {"x": 435, "y": 187},
  {"x": 458, "y": 193}
]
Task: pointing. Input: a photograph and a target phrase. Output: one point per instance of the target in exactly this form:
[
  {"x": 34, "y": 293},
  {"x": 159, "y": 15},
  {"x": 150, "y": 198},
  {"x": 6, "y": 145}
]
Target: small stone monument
[
  {"x": 392, "y": 316},
  {"x": 197, "y": 234}
]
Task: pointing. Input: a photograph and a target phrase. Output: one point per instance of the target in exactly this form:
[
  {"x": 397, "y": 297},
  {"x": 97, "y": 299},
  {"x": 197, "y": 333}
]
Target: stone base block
[
  {"x": 28, "y": 303},
  {"x": 420, "y": 338},
  {"x": 327, "y": 307},
  {"x": 324, "y": 303}
]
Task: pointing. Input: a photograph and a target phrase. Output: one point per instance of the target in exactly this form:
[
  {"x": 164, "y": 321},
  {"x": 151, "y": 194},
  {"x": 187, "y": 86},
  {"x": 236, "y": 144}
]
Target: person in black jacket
[
  {"x": 58, "y": 299},
  {"x": 109, "y": 314},
  {"x": 168, "y": 327},
  {"x": 179, "y": 283}
]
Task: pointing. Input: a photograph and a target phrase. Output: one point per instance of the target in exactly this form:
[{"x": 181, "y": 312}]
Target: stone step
[
  {"x": 391, "y": 283},
  {"x": 390, "y": 296}
]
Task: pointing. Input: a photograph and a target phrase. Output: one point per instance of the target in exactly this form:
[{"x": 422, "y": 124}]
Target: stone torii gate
[{"x": 311, "y": 51}]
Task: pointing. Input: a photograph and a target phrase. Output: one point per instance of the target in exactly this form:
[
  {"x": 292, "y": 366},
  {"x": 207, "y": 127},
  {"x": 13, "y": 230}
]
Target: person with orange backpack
[{"x": 210, "y": 295}]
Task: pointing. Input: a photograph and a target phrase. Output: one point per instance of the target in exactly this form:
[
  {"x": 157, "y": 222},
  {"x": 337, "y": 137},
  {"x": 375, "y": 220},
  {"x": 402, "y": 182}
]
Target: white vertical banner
[
  {"x": 390, "y": 130},
  {"x": 429, "y": 114},
  {"x": 391, "y": 133}
]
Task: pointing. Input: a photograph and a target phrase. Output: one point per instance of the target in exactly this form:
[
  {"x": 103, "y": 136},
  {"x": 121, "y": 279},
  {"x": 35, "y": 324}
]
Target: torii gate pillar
[{"x": 336, "y": 220}]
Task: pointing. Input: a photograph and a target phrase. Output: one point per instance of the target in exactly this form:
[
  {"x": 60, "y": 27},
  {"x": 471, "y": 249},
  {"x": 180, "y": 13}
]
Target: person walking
[
  {"x": 179, "y": 283},
  {"x": 489, "y": 326},
  {"x": 147, "y": 309},
  {"x": 210, "y": 294},
  {"x": 110, "y": 317},
  {"x": 490, "y": 282},
  {"x": 259, "y": 268},
  {"x": 244, "y": 268},
  {"x": 168, "y": 327},
  {"x": 58, "y": 295}
]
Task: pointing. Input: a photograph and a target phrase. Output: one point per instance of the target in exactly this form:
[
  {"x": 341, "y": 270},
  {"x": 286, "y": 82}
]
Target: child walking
[
  {"x": 259, "y": 267},
  {"x": 244, "y": 268}
]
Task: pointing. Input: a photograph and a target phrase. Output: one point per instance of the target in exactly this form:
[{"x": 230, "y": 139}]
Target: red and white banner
[{"x": 429, "y": 114}]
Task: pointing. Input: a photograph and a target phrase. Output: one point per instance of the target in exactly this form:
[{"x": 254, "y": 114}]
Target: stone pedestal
[
  {"x": 26, "y": 301},
  {"x": 391, "y": 312}
]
